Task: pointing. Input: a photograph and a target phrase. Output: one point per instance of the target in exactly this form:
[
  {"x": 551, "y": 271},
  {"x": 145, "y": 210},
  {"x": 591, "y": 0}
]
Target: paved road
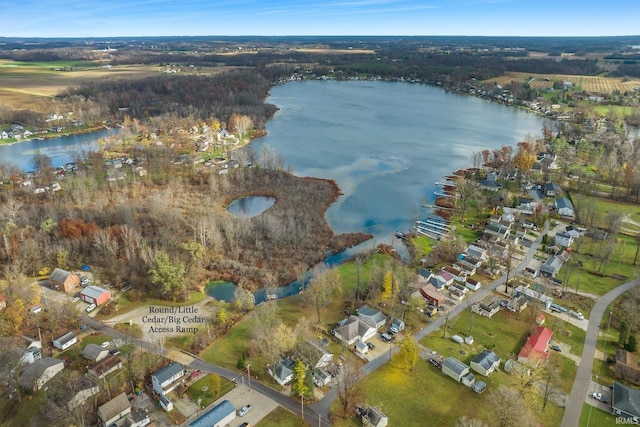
[
  {"x": 580, "y": 388},
  {"x": 322, "y": 407}
]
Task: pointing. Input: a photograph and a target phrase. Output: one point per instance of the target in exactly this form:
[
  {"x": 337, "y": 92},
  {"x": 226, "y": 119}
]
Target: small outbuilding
[
  {"x": 218, "y": 416},
  {"x": 454, "y": 368},
  {"x": 65, "y": 341}
]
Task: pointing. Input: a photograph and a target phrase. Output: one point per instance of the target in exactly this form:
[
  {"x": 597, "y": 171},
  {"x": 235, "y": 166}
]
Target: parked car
[
  {"x": 244, "y": 410},
  {"x": 91, "y": 308},
  {"x": 555, "y": 347},
  {"x": 245, "y": 425},
  {"x": 105, "y": 344},
  {"x": 371, "y": 346},
  {"x": 75, "y": 299},
  {"x": 115, "y": 352},
  {"x": 434, "y": 362},
  {"x": 597, "y": 396},
  {"x": 84, "y": 281},
  {"x": 385, "y": 337}
]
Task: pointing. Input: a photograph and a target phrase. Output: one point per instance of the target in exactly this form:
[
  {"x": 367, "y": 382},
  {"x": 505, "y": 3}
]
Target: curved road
[{"x": 580, "y": 388}]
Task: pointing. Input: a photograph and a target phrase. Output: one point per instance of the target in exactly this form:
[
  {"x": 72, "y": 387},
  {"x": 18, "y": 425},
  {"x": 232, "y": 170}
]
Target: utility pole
[
  {"x": 249, "y": 375},
  {"x": 302, "y": 405}
]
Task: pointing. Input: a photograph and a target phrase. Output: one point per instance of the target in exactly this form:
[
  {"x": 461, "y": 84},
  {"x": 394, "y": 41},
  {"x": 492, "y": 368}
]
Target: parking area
[{"x": 240, "y": 396}]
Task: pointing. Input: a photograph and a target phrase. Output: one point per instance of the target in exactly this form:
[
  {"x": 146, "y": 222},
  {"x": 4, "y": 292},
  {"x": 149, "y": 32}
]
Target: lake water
[
  {"x": 61, "y": 150},
  {"x": 248, "y": 207},
  {"x": 385, "y": 144}
]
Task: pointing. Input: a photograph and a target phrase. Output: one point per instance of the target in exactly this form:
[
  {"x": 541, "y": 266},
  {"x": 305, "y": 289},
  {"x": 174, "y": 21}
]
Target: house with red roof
[
  {"x": 430, "y": 293},
  {"x": 535, "y": 349}
]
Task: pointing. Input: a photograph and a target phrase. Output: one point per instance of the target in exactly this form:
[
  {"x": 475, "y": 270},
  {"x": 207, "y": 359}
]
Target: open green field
[
  {"x": 205, "y": 389},
  {"x": 592, "y": 417},
  {"x": 280, "y": 417}
]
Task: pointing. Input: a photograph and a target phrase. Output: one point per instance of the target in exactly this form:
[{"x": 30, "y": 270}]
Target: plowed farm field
[{"x": 593, "y": 84}]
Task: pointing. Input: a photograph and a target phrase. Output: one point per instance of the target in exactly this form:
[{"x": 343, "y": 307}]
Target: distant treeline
[{"x": 200, "y": 97}]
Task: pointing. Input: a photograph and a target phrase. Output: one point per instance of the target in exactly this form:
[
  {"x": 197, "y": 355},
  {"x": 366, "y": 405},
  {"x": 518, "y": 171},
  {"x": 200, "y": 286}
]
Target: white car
[
  {"x": 105, "y": 344},
  {"x": 91, "y": 308},
  {"x": 244, "y": 410},
  {"x": 597, "y": 396}
]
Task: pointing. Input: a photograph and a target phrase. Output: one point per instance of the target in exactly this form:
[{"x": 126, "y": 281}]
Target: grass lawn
[
  {"x": 13, "y": 414},
  {"x": 596, "y": 417},
  {"x": 280, "y": 417},
  {"x": 205, "y": 389}
]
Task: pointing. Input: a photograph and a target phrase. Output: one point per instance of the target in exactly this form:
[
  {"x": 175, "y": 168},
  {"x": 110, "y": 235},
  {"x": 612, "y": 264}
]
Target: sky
[{"x": 112, "y": 18}]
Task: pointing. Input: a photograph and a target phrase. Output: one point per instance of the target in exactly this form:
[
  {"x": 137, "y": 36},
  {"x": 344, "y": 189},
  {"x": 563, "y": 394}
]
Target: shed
[
  {"x": 479, "y": 387},
  {"x": 165, "y": 403},
  {"x": 218, "y": 416},
  {"x": 458, "y": 339},
  {"x": 95, "y": 295},
  {"x": 454, "y": 368},
  {"x": 374, "y": 417},
  {"x": 468, "y": 379}
]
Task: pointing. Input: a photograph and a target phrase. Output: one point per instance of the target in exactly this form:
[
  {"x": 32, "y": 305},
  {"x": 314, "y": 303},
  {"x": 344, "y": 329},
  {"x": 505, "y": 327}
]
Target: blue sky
[{"x": 109, "y": 18}]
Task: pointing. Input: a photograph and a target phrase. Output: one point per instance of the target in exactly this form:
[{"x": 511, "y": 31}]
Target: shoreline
[{"x": 44, "y": 138}]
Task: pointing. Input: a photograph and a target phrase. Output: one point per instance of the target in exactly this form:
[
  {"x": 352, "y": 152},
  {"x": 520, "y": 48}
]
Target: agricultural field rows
[{"x": 594, "y": 84}]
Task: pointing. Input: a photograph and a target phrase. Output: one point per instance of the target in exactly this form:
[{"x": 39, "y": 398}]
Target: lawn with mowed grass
[
  {"x": 591, "y": 417},
  {"x": 280, "y": 417},
  {"x": 208, "y": 389}
]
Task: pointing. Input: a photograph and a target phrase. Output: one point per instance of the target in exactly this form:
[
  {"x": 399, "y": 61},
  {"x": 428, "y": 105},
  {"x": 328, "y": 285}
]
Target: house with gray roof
[
  {"x": 105, "y": 366},
  {"x": 551, "y": 266},
  {"x": 114, "y": 410},
  {"x": 564, "y": 207},
  {"x": 551, "y": 189},
  {"x": 63, "y": 280},
  {"x": 35, "y": 375},
  {"x": 282, "y": 371},
  {"x": 65, "y": 341},
  {"x": 496, "y": 230},
  {"x": 167, "y": 378},
  {"x": 625, "y": 402},
  {"x": 353, "y": 329},
  {"x": 94, "y": 352},
  {"x": 374, "y": 417},
  {"x": 454, "y": 368},
  {"x": 485, "y": 362},
  {"x": 218, "y": 416},
  {"x": 374, "y": 318}
]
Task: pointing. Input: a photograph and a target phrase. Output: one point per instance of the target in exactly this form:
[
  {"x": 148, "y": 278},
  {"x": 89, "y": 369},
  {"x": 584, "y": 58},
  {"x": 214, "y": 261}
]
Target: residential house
[
  {"x": 458, "y": 275},
  {"x": 564, "y": 207},
  {"x": 105, "y": 366},
  {"x": 469, "y": 261},
  {"x": 114, "y": 410},
  {"x": 372, "y": 317},
  {"x": 551, "y": 189},
  {"x": 282, "y": 371},
  {"x": 536, "y": 347},
  {"x": 429, "y": 293},
  {"x": 95, "y": 295},
  {"x": 518, "y": 302},
  {"x": 563, "y": 239},
  {"x": 494, "y": 229},
  {"x": 353, "y": 329},
  {"x": 63, "y": 280},
  {"x": 445, "y": 277},
  {"x": 527, "y": 205},
  {"x": 533, "y": 268},
  {"x": 473, "y": 284},
  {"x": 626, "y": 367},
  {"x": 545, "y": 300},
  {"x": 218, "y": 416},
  {"x": 575, "y": 231},
  {"x": 397, "y": 324},
  {"x": 424, "y": 275},
  {"x": 374, "y": 417},
  {"x": 485, "y": 362},
  {"x": 167, "y": 378},
  {"x": 35, "y": 375},
  {"x": 83, "y": 389},
  {"x": 486, "y": 310},
  {"x": 551, "y": 267},
  {"x": 321, "y": 377},
  {"x": 454, "y": 368},
  {"x": 94, "y": 352},
  {"x": 476, "y": 252},
  {"x": 314, "y": 354},
  {"x": 625, "y": 402},
  {"x": 65, "y": 341}
]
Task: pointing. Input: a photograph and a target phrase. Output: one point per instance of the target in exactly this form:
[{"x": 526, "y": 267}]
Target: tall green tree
[
  {"x": 168, "y": 277},
  {"x": 299, "y": 384},
  {"x": 624, "y": 334}
]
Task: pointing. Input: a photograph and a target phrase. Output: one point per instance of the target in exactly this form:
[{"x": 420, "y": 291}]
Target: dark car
[
  {"x": 371, "y": 346},
  {"x": 434, "y": 362},
  {"x": 555, "y": 347}
]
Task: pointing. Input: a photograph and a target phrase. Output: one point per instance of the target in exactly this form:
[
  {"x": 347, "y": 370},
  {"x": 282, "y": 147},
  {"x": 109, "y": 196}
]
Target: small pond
[{"x": 248, "y": 207}]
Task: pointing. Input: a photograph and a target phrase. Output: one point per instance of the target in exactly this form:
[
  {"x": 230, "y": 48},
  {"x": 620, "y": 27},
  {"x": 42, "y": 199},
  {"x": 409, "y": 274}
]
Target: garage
[{"x": 95, "y": 295}]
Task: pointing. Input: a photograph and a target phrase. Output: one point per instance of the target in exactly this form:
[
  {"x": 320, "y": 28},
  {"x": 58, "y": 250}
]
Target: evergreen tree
[
  {"x": 624, "y": 334},
  {"x": 241, "y": 362},
  {"x": 632, "y": 344},
  {"x": 299, "y": 382}
]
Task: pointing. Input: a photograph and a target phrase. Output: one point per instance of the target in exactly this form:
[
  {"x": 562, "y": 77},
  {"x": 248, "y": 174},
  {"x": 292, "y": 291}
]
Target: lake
[
  {"x": 61, "y": 150},
  {"x": 248, "y": 207},
  {"x": 385, "y": 144}
]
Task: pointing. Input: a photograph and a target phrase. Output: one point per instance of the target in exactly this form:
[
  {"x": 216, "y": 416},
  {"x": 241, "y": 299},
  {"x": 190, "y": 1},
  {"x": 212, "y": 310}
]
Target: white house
[
  {"x": 353, "y": 329},
  {"x": 473, "y": 284},
  {"x": 564, "y": 239},
  {"x": 281, "y": 371},
  {"x": 65, "y": 341},
  {"x": 564, "y": 207},
  {"x": 485, "y": 362},
  {"x": 372, "y": 317},
  {"x": 166, "y": 379},
  {"x": 36, "y": 375}
]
